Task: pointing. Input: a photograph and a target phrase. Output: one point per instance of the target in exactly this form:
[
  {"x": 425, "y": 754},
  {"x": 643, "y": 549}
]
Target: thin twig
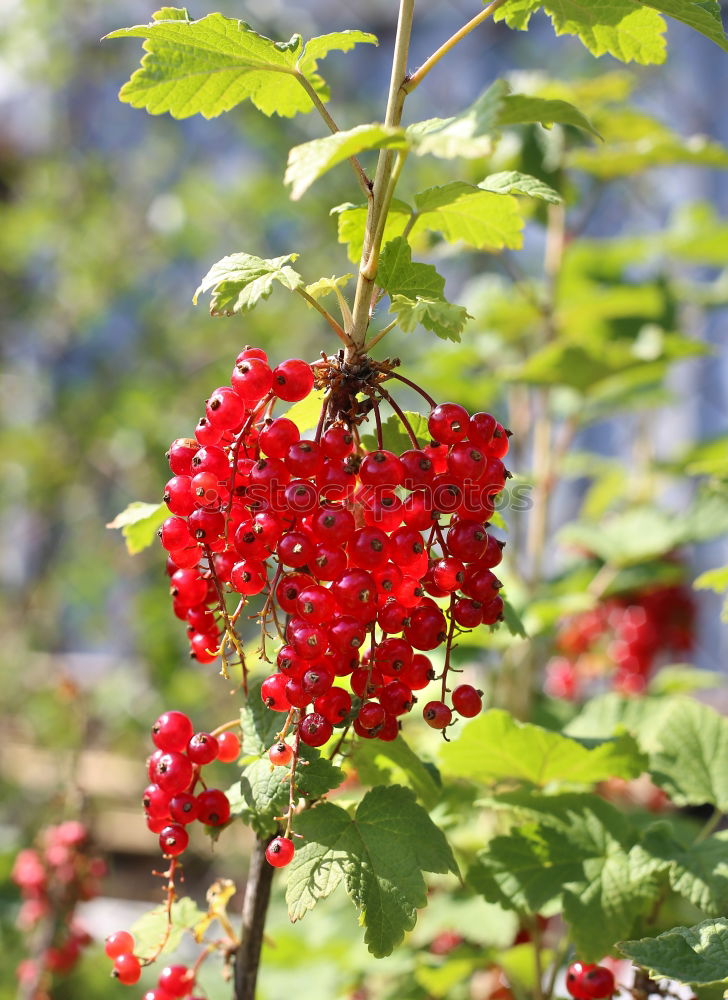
[
  {"x": 400, "y": 413},
  {"x": 338, "y": 330},
  {"x": 413, "y": 385}
]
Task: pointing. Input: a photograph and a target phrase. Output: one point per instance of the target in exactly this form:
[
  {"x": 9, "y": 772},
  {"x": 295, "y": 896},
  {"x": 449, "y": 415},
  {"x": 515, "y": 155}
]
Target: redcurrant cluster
[
  {"x": 170, "y": 802},
  {"x": 364, "y": 560},
  {"x": 623, "y": 639},
  {"x": 173, "y": 983},
  {"x": 589, "y": 981},
  {"x": 53, "y": 878}
]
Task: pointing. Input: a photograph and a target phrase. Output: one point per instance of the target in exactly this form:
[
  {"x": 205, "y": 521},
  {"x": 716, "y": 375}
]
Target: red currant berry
[
  {"x": 251, "y": 379},
  {"x": 381, "y": 468},
  {"x": 314, "y": 729},
  {"x": 127, "y": 968},
  {"x": 277, "y": 436},
  {"x": 119, "y": 943},
  {"x": 419, "y": 673},
  {"x": 292, "y": 380},
  {"x": 418, "y": 469},
  {"x": 371, "y": 716},
  {"x": 481, "y": 428},
  {"x": 316, "y": 605},
  {"x": 183, "y": 808},
  {"x": 202, "y": 748},
  {"x": 337, "y": 441},
  {"x": 228, "y": 747},
  {"x": 225, "y": 409},
  {"x": 172, "y": 772},
  {"x": 448, "y": 423},
  {"x": 176, "y": 980},
  {"x": 273, "y": 693},
  {"x": 334, "y": 705},
  {"x": 279, "y": 852},
  {"x": 437, "y": 714},
  {"x": 396, "y": 698},
  {"x": 467, "y": 701},
  {"x": 280, "y": 754},
  {"x": 172, "y": 731},
  {"x": 213, "y": 807},
  {"x": 173, "y": 840},
  {"x": 180, "y": 455}
]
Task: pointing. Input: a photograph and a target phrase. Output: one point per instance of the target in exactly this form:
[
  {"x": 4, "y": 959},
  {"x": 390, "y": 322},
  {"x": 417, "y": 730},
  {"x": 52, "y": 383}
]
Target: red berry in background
[
  {"x": 597, "y": 982},
  {"x": 176, "y": 980},
  {"x": 436, "y": 714},
  {"x": 172, "y": 731},
  {"x": 119, "y": 943},
  {"x": 173, "y": 840},
  {"x": 292, "y": 380},
  {"x": 448, "y": 423},
  {"x": 467, "y": 701},
  {"x": 228, "y": 747},
  {"x": 213, "y": 807},
  {"x": 279, "y": 852},
  {"x": 280, "y": 754},
  {"x": 127, "y": 969}
]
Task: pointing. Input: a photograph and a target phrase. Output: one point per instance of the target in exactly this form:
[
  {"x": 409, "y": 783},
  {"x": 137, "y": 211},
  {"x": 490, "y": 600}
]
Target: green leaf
[
  {"x": 682, "y": 678},
  {"x": 380, "y": 853},
  {"x": 616, "y": 890},
  {"x": 514, "y": 182},
  {"x": 627, "y": 538},
  {"x": 311, "y": 160},
  {"x": 150, "y": 929},
  {"x": 351, "y": 223},
  {"x": 604, "y": 716},
  {"x": 702, "y": 15},
  {"x": 527, "y": 869},
  {"x": 259, "y": 724},
  {"x": 139, "y": 523},
  {"x": 513, "y": 621},
  {"x": 265, "y": 789},
  {"x": 521, "y": 109},
  {"x": 687, "y": 954},
  {"x": 713, "y": 579},
  {"x": 444, "y": 319},
  {"x": 211, "y": 65},
  {"x": 240, "y": 281},
  {"x": 306, "y": 412},
  {"x": 398, "y": 275},
  {"x": 394, "y": 436},
  {"x": 496, "y": 747},
  {"x": 691, "y": 764},
  {"x": 395, "y": 763},
  {"x": 698, "y": 872},
  {"x": 325, "y": 286},
  {"x": 468, "y": 134},
  {"x": 464, "y": 212}
]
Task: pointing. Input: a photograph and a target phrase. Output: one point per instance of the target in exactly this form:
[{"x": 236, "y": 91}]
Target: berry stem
[
  {"x": 255, "y": 907},
  {"x": 448, "y": 650},
  {"x": 292, "y": 785},
  {"x": 378, "y": 421},
  {"x": 413, "y": 385},
  {"x": 171, "y": 896},
  {"x": 379, "y": 336},
  {"x": 416, "y": 78},
  {"x": 230, "y": 633},
  {"x": 400, "y": 413}
]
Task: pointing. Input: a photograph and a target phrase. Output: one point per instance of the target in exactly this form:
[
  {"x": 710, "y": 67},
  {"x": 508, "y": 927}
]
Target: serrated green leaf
[
  {"x": 615, "y": 891},
  {"x": 380, "y": 853},
  {"x": 139, "y": 523},
  {"x": 522, "y": 109},
  {"x": 211, "y": 65},
  {"x": 258, "y": 723},
  {"x": 696, "y": 954},
  {"x": 241, "y": 280},
  {"x": 464, "y": 212},
  {"x": 606, "y": 714},
  {"x": 306, "y": 412},
  {"x": 326, "y": 286},
  {"x": 265, "y": 789},
  {"x": 527, "y": 869},
  {"x": 496, "y": 747},
  {"x": 395, "y": 763},
  {"x": 702, "y": 15},
  {"x": 691, "y": 764},
  {"x": 682, "y": 678},
  {"x": 351, "y": 223},
  {"x": 310, "y": 160},
  {"x": 514, "y": 182},
  {"x": 150, "y": 929},
  {"x": 698, "y": 872},
  {"x": 622, "y": 28},
  {"x": 468, "y": 134},
  {"x": 628, "y": 158},
  {"x": 444, "y": 319},
  {"x": 398, "y": 275}
]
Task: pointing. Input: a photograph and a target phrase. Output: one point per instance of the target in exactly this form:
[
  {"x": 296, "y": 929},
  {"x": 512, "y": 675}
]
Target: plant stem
[
  {"x": 379, "y": 336},
  {"x": 381, "y": 188},
  {"x": 416, "y": 79},
  {"x": 356, "y": 166},
  {"x": 344, "y": 337},
  {"x": 255, "y": 906},
  {"x": 711, "y": 824}
]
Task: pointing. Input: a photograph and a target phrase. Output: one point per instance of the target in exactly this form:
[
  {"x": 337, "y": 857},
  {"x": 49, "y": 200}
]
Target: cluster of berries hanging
[
  {"x": 361, "y": 560},
  {"x": 174, "y": 981},
  {"x": 621, "y": 640},
  {"x": 174, "y": 768},
  {"x": 53, "y": 878}
]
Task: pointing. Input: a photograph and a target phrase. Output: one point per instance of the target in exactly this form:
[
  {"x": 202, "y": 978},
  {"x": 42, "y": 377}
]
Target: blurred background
[{"x": 109, "y": 217}]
